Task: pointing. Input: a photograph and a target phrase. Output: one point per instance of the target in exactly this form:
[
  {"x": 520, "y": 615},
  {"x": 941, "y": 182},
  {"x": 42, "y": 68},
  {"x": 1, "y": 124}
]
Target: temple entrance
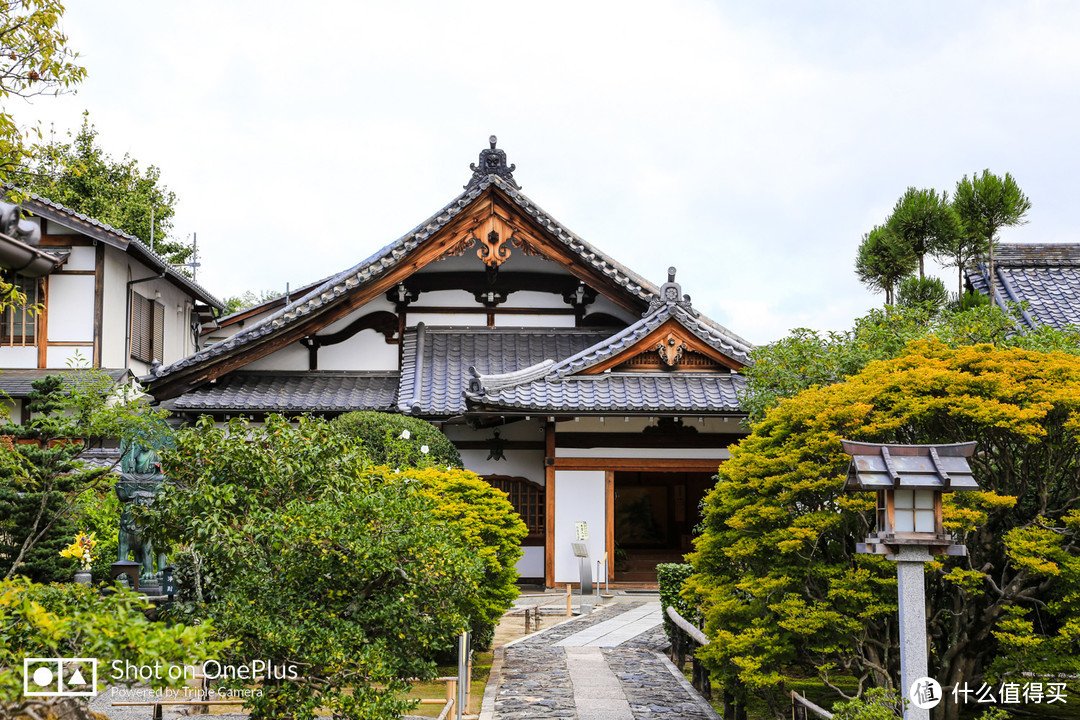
[{"x": 655, "y": 514}]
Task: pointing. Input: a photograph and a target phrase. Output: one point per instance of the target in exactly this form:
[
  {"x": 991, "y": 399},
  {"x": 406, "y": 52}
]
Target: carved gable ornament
[{"x": 671, "y": 349}]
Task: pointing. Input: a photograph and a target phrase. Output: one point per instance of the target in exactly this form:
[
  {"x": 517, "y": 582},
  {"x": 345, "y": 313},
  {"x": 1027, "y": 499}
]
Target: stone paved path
[{"x": 603, "y": 666}]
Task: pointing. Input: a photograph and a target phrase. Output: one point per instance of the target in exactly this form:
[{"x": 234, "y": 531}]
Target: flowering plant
[{"x": 82, "y": 549}]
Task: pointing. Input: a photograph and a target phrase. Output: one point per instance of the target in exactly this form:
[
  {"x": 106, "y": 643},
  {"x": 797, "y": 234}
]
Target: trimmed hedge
[
  {"x": 670, "y": 578},
  {"x": 382, "y": 434}
]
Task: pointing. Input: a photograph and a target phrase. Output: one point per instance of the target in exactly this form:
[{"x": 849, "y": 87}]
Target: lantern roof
[{"x": 882, "y": 466}]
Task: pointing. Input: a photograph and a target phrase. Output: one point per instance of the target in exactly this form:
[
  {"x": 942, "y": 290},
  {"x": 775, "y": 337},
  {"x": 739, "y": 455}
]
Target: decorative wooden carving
[
  {"x": 652, "y": 362},
  {"x": 671, "y": 349},
  {"x": 459, "y": 248},
  {"x": 526, "y": 247},
  {"x": 493, "y": 250}
]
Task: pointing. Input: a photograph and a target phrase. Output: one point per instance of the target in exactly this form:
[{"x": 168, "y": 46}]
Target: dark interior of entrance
[{"x": 655, "y": 517}]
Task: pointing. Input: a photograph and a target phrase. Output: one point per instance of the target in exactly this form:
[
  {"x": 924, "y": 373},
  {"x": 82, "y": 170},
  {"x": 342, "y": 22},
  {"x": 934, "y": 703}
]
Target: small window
[
  {"x": 18, "y": 323},
  {"x": 527, "y": 498},
  {"x": 913, "y": 511},
  {"x": 147, "y": 329}
]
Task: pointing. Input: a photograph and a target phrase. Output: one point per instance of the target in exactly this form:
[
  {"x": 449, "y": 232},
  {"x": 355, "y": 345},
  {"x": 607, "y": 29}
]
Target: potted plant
[{"x": 83, "y": 551}]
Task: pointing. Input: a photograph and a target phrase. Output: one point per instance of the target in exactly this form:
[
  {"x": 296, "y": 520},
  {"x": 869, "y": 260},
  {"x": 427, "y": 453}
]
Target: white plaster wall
[
  {"x": 81, "y": 258},
  {"x": 290, "y": 357},
  {"x": 62, "y": 356},
  {"x": 448, "y": 319},
  {"x": 18, "y": 357},
  {"x": 447, "y": 298},
  {"x": 55, "y": 228},
  {"x": 71, "y": 308},
  {"x": 531, "y": 564},
  {"x": 119, "y": 269},
  {"x": 535, "y": 299},
  {"x": 379, "y": 303},
  {"x": 603, "y": 305},
  {"x": 579, "y": 496},
  {"x": 114, "y": 350},
  {"x": 565, "y": 321},
  {"x": 528, "y": 464},
  {"x": 366, "y": 350}
]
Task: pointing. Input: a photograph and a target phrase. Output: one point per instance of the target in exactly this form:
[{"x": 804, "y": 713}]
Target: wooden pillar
[{"x": 609, "y": 524}]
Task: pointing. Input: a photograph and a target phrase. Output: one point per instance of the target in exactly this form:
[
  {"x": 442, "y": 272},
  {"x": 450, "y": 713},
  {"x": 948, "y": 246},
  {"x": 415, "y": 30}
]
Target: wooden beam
[
  {"x": 639, "y": 464},
  {"x": 549, "y": 509},
  {"x": 99, "y": 300},
  {"x": 41, "y": 329}
]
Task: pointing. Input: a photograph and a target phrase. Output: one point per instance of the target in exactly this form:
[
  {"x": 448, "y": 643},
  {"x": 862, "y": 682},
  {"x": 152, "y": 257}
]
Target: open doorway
[{"x": 655, "y": 514}]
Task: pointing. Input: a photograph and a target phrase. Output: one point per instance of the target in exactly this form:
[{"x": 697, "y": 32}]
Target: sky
[{"x": 750, "y": 145}]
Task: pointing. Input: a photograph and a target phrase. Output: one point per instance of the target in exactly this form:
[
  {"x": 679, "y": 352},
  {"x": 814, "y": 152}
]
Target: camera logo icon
[{"x": 60, "y": 677}]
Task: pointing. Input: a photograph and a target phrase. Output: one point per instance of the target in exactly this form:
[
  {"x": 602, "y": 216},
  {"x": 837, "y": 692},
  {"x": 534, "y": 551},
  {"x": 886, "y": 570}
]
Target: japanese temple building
[{"x": 582, "y": 389}]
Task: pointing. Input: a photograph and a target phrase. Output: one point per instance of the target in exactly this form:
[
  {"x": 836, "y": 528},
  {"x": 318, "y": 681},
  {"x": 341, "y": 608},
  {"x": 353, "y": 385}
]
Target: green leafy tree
[
  {"x": 247, "y": 299},
  {"x": 924, "y": 222},
  {"x": 986, "y": 203},
  {"x": 807, "y": 358},
  {"x": 34, "y": 60},
  {"x": 927, "y": 292},
  {"x": 883, "y": 260},
  {"x": 80, "y": 175},
  {"x": 776, "y": 569},
  {"x": 353, "y": 574},
  {"x": 68, "y": 620}
]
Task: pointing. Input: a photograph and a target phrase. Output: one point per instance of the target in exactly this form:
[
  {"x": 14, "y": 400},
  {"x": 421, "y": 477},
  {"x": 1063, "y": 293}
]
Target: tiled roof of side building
[
  {"x": 390, "y": 255},
  {"x": 448, "y": 353},
  {"x": 289, "y": 392},
  {"x": 49, "y": 209},
  {"x": 1044, "y": 276},
  {"x": 17, "y": 383}
]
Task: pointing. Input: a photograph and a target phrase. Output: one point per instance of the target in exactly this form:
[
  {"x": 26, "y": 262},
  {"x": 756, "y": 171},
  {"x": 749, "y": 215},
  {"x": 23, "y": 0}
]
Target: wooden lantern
[{"x": 909, "y": 481}]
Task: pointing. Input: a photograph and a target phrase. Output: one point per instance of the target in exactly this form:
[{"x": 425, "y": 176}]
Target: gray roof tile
[
  {"x": 450, "y": 352},
  {"x": 16, "y": 383},
  {"x": 289, "y": 392},
  {"x": 1045, "y": 276}
]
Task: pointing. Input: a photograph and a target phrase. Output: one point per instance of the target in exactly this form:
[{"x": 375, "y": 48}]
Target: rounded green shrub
[{"x": 399, "y": 440}]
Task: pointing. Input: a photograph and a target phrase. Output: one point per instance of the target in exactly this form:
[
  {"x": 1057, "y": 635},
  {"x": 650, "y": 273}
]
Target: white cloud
[{"x": 750, "y": 145}]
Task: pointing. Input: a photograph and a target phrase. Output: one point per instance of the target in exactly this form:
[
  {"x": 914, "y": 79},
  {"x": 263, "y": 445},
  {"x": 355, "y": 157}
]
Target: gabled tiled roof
[
  {"x": 293, "y": 392},
  {"x": 391, "y": 255},
  {"x": 448, "y": 353},
  {"x": 1045, "y": 276},
  {"x": 560, "y": 386},
  {"x": 54, "y": 211},
  {"x": 629, "y": 392}
]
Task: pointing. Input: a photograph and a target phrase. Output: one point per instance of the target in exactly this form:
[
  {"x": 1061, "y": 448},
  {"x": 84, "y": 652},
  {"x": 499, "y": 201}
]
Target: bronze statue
[{"x": 140, "y": 479}]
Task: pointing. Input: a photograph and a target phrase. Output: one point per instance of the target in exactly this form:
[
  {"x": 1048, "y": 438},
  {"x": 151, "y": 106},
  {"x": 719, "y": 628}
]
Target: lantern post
[{"x": 909, "y": 481}]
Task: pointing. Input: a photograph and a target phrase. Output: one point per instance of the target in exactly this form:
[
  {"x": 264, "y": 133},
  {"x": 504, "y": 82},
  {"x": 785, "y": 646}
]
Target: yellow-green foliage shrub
[{"x": 490, "y": 526}]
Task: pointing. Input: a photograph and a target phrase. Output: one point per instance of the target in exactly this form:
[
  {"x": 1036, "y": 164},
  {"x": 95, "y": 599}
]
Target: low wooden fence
[
  {"x": 533, "y": 611},
  {"x": 801, "y": 707},
  {"x": 681, "y": 647}
]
